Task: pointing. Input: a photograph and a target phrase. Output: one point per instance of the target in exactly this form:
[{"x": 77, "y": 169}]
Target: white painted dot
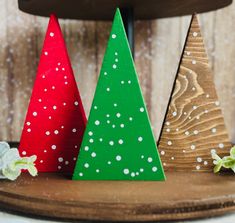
[
  {"x": 80, "y": 174},
  {"x": 28, "y": 130},
  {"x": 198, "y": 117},
  {"x": 118, "y": 157},
  {"x": 86, "y": 165},
  {"x": 28, "y": 123},
  {"x": 95, "y": 107},
  {"x": 130, "y": 118},
  {"x": 120, "y": 141},
  {"x": 115, "y": 104},
  {"x": 74, "y": 158},
  {"x": 60, "y": 159},
  {"x": 198, "y": 167},
  {"x": 97, "y": 122},
  {"x": 205, "y": 163},
  {"x": 74, "y": 130},
  {"x": 49, "y": 117},
  {"x": 116, "y": 53},
  {"x": 76, "y": 103},
  {"x": 132, "y": 174},
  {"x": 63, "y": 68},
  {"x": 40, "y": 100},
  {"x": 114, "y": 36},
  {"x": 129, "y": 82},
  {"x": 199, "y": 159},
  {"x": 41, "y": 161},
  {"x": 62, "y": 126},
  {"x": 108, "y": 121},
  {"x": 118, "y": 115},
  {"x": 195, "y": 132},
  {"x": 111, "y": 143},
  {"x": 52, "y": 34},
  {"x": 126, "y": 171},
  {"x": 105, "y": 73},
  {"x": 43, "y": 76},
  {"x": 114, "y": 66},
  {"x": 66, "y": 82},
  {"x": 116, "y": 60},
  {"x": 169, "y": 143},
  {"x": 141, "y": 170},
  {"x": 58, "y": 64},
  {"x": 59, "y": 167},
  {"x": 150, "y": 159},
  {"x": 109, "y": 162},
  {"x": 140, "y": 138},
  {"x": 214, "y": 130},
  {"x": 56, "y": 68},
  {"x": 194, "y": 62},
  {"x": 142, "y": 156},
  {"x": 24, "y": 153},
  {"x": 195, "y": 34},
  {"x": 122, "y": 125},
  {"x": 47, "y": 133},
  {"x": 90, "y": 133},
  {"x": 35, "y": 113},
  {"x": 46, "y": 53},
  {"x": 174, "y": 113},
  {"x": 213, "y": 151},
  {"x": 177, "y": 130},
  {"x": 86, "y": 148},
  {"x": 207, "y": 95},
  {"x": 168, "y": 130},
  {"x": 184, "y": 151},
  {"x": 193, "y": 89},
  {"x": 54, "y": 107},
  {"x": 75, "y": 146},
  {"x": 65, "y": 77},
  {"x": 91, "y": 140},
  {"x": 188, "y": 53},
  {"x": 113, "y": 126},
  {"x": 93, "y": 154},
  {"x": 53, "y": 87},
  {"x": 141, "y": 109},
  {"x": 56, "y": 132},
  {"x": 100, "y": 139},
  {"x": 154, "y": 169},
  {"x": 107, "y": 89},
  {"x": 172, "y": 157},
  {"x": 194, "y": 107},
  {"x": 187, "y": 133},
  {"x": 107, "y": 115},
  {"x": 97, "y": 170},
  {"x": 217, "y": 103},
  {"x": 53, "y": 147},
  {"x": 193, "y": 147},
  {"x": 122, "y": 82},
  {"x": 162, "y": 152},
  {"x": 66, "y": 162},
  {"x": 64, "y": 103},
  {"x": 45, "y": 107},
  {"x": 167, "y": 123},
  {"x": 221, "y": 145}
]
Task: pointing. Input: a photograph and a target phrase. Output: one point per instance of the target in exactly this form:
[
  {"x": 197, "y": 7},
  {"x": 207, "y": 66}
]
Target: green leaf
[
  {"x": 10, "y": 174},
  {"x": 232, "y": 152},
  {"x": 217, "y": 167},
  {"x": 32, "y": 170},
  {"x": 228, "y": 162}
]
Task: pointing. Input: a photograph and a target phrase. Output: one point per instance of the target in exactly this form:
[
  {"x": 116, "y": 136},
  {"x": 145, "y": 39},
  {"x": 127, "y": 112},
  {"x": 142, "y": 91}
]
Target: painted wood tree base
[{"x": 52, "y": 195}]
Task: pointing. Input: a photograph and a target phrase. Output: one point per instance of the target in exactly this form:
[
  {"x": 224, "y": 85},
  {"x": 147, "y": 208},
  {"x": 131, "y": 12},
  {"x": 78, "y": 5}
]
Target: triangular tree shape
[
  {"x": 118, "y": 143},
  {"x": 194, "y": 125},
  {"x": 55, "y": 121}
]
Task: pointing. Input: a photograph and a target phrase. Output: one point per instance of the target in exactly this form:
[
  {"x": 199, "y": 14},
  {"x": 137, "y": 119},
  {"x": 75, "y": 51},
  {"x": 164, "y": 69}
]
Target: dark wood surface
[
  {"x": 104, "y": 9},
  {"x": 183, "y": 196}
]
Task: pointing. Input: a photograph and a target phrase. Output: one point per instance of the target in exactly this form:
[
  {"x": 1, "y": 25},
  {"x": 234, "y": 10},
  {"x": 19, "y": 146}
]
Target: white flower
[{"x": 11, "y": 163}]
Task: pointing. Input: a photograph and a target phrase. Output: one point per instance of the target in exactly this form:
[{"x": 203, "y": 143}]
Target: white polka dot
[
  {"x": 122, "y": 125},
  {"x": 199, "y": 159},
  {"x": 115, "y": 104},
  {"x": 56, "y": 68},
  {"x": 174, "y": 113},
  {"x": 108, "y": 121},
  {"x": 114, "y": 66},
  {"x": 95, "y": 107},
  {"x": 45, "y": 107},
  {"x": 28, "y": 123},
  {"x": 64, "y": 103},
  {"x": 207, "y": 95},
  {"x": 93, "y": 154},
  {"x": 74, "y": 130},
  {"x": 167, "y": 123},
  {"x": 49, "y": 117},
  {"x": 53, "y": 87},
  {"x": 105, "y": 73},
  {"x": 40, "y": 100},
  {"x": 91, "y": 140},
  {"x": 109, "y": 162},
  {"x": 198, "y": 167},
  {"x": 114, "y": 36},
  {"x": 100, "y": 139},
  {"x": 46, "y": 53},
  {"x": 141, "y": 109},
  {"x": 122, "y": 82},
  {"x": 193, "y": 89},
  {"x": 217, "y": 103},
  {"x": 140, "y": 139},
  {"x": 107, "y": 115},
  {"x": 62, "y": 126},
  {"x": 63, "y": 68},
  {"x": 214, "y": 130},
  {"x": 86, "y": 148},
  {"x": 52, "y": 34},
  {"x": 41, "y": 161},
  {"x": 53, "y": 147},
  {"x": 54, "y": 107},
  {"x": 47, "y": 133},
  {"x": 35, "y": 113},
  {"x": 163, "y": 153},
  {"x": 194, "y": 107},
  {"x": 24, "y": 153},
  {"x": 60, "y": 159},
  {"x": 130, "y": 118},
  {"x": 76, "y": 103},
  {"x": 97, "y": 170},
  {"x": 188, "y": 53},
  {"x": 111, "y": 143},
  {"x": 120, "y": 141},
  {"x": 56, "y": 132},
  {"x": 205, "y": 163},
  {"x": 28, "y": 130},
  {"x": 126, "y": 171},
  {"x": 194, "y": 34},
  {"x": 194, "y": 62},
  {"x": 74, "y": 158},
  {"x": 177, "y": 130},
  {"x": 221, "y": 145},
  {"x": 43, "y": 76},
  {"x": 172, "y": 157},
  {"x": 118, "y": 115},
  {"x": 116, "y": 53},
  {"x": 187, "y": 133},
  {"x": 97, "y": 122},
  {"x": 116, "y": 60},
  {"x": 141, "y": 170},
  {"x": 168, "y": 130},
  {"x": 80, "y": 174},
  {"x": 107, "y": 89},
  {"x": 65, "y": 77},
  {"x": 195, "y": 132},
  {"x": 66, "y": 162},
  {"x": 59, "y": 167},
  {"x": 58, "y": 64},
  {"x": 193, "y": 147},
  {"x": 113, "y": 126},
  {"x": 169, "y": 143},
  {"x": 154, "y": 169},
  {"x": 66, "y": 82},
  {"x": 142, "y": 157},
  {"x": 132, "y": 174},
  {"x": 129, "y": 82},
  {"x": 118, "y": 158},
  {"x": 86, "y": 165},
  {"x": 213, "y": 151},
  {"x": 150, "y": 159}
]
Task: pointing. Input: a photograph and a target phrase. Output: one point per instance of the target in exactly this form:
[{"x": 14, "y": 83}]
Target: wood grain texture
[
  {"x": 194, "y": 125},
  {"x": 51, "y": 195},
  {"x": 158, "y": 47}
]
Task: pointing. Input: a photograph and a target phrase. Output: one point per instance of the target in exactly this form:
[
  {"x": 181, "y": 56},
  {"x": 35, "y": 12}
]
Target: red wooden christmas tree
[{"x": 55, "y": 120}]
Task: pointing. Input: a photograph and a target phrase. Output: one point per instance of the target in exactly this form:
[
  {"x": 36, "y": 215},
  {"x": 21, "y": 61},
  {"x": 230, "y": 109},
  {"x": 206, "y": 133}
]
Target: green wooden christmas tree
[{"x": 118, "y": 143}]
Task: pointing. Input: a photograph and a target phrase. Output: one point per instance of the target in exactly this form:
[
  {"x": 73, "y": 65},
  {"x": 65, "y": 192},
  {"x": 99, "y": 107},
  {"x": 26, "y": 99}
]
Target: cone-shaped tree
[
  {"x": 194, "y": 125},
  {"x": 118, "y": 143},
  {"x": 55, "y": 120}
]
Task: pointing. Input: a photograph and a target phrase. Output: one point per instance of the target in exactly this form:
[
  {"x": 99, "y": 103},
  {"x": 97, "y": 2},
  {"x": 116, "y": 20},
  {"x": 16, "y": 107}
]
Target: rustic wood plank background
[{"x": 158, "y": 47}]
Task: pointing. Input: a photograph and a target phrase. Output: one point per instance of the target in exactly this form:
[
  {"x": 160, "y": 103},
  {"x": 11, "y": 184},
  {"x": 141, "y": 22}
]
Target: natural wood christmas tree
[{"x": 194, "y": 125}]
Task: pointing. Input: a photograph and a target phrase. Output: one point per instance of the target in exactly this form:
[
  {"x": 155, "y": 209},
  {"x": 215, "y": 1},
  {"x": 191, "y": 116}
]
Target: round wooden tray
[
  {"x": 182, "y": 196},
  {"x": 104, "y": 9}
]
